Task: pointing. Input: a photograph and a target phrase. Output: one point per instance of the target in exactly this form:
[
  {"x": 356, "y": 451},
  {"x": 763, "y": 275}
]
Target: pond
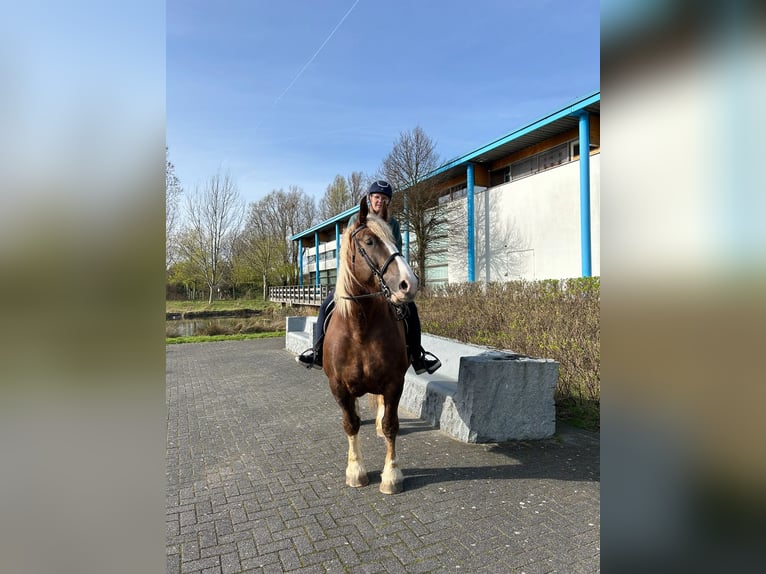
[{"x": 221, "y": 326}]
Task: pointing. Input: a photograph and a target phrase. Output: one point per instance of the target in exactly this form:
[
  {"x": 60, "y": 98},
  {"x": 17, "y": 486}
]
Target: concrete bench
[
  {"x": 478, "y": 395},
  {"x": 299, "y": 333},
  {"x": 484, "y": 395}
]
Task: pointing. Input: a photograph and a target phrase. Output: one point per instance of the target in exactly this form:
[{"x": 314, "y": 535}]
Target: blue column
[
  {"x": 300, "y": 261},
  {"x": 471, "y": 232},
  {"x": 585, "y": 193},
  {"x": 316, "y": 257},
  {"x": 406, "y": 238},
  {"x": 337, "y": 247}
]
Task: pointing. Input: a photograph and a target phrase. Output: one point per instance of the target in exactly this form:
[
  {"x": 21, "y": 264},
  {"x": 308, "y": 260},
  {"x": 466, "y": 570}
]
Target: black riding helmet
[{"x": 380, "y": 186}]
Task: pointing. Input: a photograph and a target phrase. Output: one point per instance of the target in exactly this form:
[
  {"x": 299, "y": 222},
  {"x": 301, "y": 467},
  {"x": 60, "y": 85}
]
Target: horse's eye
[{"x": 369, "y": 241}]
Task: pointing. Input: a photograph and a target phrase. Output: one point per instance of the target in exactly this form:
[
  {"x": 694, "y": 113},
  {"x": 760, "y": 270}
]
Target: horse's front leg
[
  {"x": 392, "y": 479},
  {"x": 380, "y": 410},
  {"x": 356, "y": 475}
]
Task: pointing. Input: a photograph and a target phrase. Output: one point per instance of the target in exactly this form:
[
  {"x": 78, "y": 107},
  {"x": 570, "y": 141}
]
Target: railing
[{"x": 299, "y": 294}]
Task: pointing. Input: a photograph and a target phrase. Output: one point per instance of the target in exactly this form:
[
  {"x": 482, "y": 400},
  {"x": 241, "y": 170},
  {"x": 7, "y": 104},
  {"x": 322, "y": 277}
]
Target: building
[{"x": 530, "y": 201}]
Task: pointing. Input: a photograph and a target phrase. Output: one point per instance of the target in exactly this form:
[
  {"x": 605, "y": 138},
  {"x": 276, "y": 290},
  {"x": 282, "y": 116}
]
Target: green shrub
[{"x": 551, "y": 319}]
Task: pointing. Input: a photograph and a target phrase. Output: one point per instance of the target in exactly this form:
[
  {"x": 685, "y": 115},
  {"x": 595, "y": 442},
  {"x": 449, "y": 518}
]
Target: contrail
[{"x": 312, "y": 58}]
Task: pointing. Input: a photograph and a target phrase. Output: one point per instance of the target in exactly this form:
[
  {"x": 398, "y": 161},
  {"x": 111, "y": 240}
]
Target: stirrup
[
  {"x": 432, "y": 365},
  {"x": 308, "y": 359},
  {"x": 423, "y": 365}
]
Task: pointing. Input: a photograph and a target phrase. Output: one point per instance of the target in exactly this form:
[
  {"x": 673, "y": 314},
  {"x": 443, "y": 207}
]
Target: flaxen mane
[{"x": 346, "y": 284}]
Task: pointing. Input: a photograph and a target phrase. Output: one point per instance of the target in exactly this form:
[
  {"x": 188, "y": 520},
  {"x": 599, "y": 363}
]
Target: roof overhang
[
  {"x": 561, "y": 121},
  {"x": 544, "y": 128}
]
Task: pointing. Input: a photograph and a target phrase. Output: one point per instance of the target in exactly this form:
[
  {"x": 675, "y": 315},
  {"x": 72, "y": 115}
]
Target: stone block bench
[
  {"x": 478, "y": 395},
  {"x": 299, "y": 333}
]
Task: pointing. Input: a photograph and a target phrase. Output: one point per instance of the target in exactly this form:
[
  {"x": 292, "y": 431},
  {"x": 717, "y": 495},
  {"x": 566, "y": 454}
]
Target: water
[{"x": 193, "y": 327}]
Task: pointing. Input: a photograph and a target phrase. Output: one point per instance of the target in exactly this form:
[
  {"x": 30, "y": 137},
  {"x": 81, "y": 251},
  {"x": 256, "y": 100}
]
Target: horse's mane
[{"x": 346, "y": 280}]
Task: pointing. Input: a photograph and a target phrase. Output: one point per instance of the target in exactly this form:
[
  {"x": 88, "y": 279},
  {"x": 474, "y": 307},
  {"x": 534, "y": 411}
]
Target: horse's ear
[
  {"x": 363, "y": 211},
  {"x": 384, "y": 212}
]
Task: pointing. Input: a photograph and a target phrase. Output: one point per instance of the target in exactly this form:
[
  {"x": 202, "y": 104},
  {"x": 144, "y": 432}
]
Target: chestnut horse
[{"x": 364, "y": 347}]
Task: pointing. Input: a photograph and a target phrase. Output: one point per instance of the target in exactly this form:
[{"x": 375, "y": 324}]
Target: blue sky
[{"x": 297, "y": 91}]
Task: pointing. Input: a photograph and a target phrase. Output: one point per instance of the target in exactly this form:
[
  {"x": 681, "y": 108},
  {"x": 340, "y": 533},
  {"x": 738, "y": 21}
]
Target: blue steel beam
[
  {"x": 585, "y": 246},
  {"x": 471, "y": 233},
  {"x": 316, "y": 258},
  {"x": 337, "y": 246},
  {"x": 300, "y": 262}
]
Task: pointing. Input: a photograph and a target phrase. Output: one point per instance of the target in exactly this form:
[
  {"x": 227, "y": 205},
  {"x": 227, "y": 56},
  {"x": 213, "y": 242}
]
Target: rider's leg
[
  {"x": 421, "y": 362},
  {"x": 313, "y": 357}
]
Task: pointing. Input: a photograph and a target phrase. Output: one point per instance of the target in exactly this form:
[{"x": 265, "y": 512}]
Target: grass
[
  {"x": 225, "y": 305},
  {"x": 213, "y": 338}
]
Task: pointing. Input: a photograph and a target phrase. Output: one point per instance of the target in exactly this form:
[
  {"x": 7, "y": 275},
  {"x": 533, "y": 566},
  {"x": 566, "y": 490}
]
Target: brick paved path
[{"x": 255, "y": 482}]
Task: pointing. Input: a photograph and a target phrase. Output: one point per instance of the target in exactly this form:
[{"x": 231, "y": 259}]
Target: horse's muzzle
[{"x": 406, "y": 291}]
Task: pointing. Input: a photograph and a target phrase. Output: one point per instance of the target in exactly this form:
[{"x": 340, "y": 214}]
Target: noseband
[{"x": 378, "y": 272}]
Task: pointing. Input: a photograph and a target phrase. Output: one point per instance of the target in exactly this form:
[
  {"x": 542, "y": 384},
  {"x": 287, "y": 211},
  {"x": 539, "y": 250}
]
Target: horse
[{"x": 364, "y": 346}]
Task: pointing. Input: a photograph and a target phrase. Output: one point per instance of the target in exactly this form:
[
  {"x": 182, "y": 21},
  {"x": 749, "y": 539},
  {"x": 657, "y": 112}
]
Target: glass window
[
  {"x": 524, "y": 167},
  {"x": 553, "y": 157},
  {"x": 500, "y": 176}
]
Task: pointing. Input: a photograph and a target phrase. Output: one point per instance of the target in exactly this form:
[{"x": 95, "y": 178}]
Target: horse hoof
[
  {"x": 391, "y": 487},
  {"x": 357, "y": 481}
]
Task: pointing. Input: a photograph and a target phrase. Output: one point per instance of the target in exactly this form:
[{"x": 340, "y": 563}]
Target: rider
[{"x": 378, "y": 195}]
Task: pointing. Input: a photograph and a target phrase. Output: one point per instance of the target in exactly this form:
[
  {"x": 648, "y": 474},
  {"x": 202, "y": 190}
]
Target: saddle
[{"x": 401, "y": 313}]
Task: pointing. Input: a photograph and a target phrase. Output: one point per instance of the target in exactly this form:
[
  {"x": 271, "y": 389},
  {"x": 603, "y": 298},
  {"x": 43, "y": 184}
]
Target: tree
[
  {"x": 342, "y": 194},
  {"x": 357, "y": 186},
  {"x": 412, "y": 158},
  {"x": 265, "y": 243},
  {"x": 215, "y": 214},
  {"x": 336, "y": 199},
  {"x": 173, "y": 191}
]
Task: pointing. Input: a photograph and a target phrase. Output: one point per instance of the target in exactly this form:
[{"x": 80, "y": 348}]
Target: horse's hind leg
[
  {"x": 392, "y": 479},
  {"x": 356, "y": 475}
]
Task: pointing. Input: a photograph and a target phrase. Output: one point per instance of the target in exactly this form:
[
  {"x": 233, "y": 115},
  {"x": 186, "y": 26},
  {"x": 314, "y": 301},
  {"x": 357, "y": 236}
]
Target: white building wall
[{"x": 534, "y": 228}]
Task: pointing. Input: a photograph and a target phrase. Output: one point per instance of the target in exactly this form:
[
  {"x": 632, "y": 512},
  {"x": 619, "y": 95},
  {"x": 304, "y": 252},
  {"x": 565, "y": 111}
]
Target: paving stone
[{"x": 255, "y": 482}]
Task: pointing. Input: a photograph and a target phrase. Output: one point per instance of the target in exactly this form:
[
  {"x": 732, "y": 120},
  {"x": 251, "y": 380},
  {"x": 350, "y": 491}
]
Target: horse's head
[{"x": 374, "y": 260}]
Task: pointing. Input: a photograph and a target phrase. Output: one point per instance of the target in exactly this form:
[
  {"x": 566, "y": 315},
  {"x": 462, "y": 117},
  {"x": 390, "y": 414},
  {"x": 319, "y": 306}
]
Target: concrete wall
[{"x": 534, "y": 228}]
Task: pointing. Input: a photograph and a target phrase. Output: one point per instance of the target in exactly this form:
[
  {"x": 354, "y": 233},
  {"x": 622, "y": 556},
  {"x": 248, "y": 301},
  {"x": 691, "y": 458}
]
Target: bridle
[{"x": 378, "y": 272}]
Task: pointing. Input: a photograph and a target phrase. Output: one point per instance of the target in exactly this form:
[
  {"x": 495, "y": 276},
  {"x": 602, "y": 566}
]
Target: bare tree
[
  {"x": 337, "y": 198},
  {"x": 342, "y": 194},
  {"x": 357, "y": 186},
  {"x": 173, "y": 191},
  {"x": 215, "y": 214},
  {"x": 412, "y": 158},
  {"x": 255, "y": 253},
  {"x": 271, "y": 221}
]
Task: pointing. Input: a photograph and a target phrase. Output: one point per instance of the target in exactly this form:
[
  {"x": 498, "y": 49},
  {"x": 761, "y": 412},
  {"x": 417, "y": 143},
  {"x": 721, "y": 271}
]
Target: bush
[{"x": 551, "y": 319}]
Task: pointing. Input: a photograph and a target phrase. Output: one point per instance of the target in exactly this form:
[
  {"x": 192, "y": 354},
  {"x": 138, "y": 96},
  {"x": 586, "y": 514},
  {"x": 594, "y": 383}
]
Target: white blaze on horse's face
[{"x": 400, "y": 278}]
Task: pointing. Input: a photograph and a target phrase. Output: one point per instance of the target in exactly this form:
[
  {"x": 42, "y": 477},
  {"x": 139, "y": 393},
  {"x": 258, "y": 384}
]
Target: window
[
  {"x": 524, "y": 167},
  {"x": 575, "y": 149},
  {"x": 500, "y": 176},
  {"x": 453, "y": 193},
  {"x": 553, "y": 157},
  {"x": 327, "y": 255},
  {"x": 531, "y": 165},
  {"x": 437, "y": 275}
]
